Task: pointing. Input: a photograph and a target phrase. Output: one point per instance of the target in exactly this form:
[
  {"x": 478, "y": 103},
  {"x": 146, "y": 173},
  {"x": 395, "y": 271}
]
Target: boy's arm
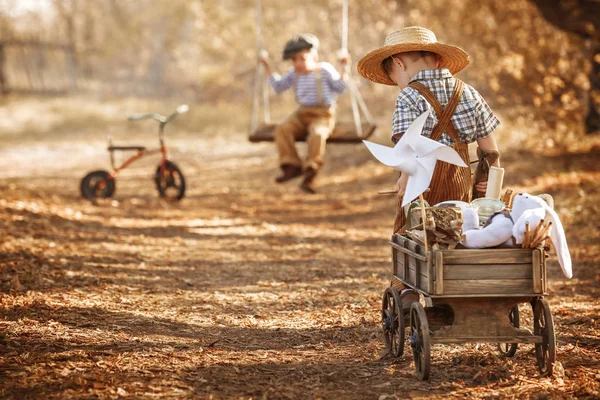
[
  {"x": 335, "y": 80},
  {"x": 486, "y": 125},
  {"x": 486, "y": 140},
  {"x": 401, "y": 185},
  {"x": 263, "y": 57},
  {"x": 488, "y": 144},
  {"x": 278, "y": 83},
  {"x": 281, "y": 84}
]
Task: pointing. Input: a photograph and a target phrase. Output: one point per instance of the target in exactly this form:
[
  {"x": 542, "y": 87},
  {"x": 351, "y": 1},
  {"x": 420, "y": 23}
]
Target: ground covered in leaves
[{"x": 247, "y": 289}]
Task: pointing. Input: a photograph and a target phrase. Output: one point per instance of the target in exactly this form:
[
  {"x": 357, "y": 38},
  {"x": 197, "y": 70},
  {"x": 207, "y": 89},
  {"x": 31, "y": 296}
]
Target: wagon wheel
[
  {"x": 392, "y": 320},
  {"x": 509, "y": 349},
  {"x": 419, "y": 341},
  {"x": 543, "y": 326}
]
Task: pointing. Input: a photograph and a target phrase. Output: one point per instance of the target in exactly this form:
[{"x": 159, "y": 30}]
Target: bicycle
[{"x": 169, "y": 179}]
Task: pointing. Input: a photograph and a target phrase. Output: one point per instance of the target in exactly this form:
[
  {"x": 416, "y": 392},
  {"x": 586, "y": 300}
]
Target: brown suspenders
[{"x": 444, "y": 114}]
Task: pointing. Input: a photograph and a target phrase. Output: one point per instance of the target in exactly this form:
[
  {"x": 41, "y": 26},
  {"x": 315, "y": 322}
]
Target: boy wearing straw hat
[
  {"x": 316, "y": 86},
  {"x": 412, "y": 59}
]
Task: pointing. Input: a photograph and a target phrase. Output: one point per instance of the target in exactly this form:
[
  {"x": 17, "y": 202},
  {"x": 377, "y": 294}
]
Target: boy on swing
[
  {"x": 412, "y": 59},
  {"x": 316, "y": 86}
]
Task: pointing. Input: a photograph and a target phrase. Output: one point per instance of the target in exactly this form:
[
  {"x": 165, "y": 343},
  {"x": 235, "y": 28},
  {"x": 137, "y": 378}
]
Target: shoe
[
  {"x": 408, "y": 297},
  {"x": 307, "y": 182},
  {"x": 289, "y": 172}
]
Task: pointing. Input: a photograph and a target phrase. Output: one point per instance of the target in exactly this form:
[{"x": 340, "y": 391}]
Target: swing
[{"x": 344, "y": 132}]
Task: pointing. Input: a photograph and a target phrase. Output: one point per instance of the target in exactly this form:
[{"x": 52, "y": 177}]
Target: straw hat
[{"x": 411, "y": 38}]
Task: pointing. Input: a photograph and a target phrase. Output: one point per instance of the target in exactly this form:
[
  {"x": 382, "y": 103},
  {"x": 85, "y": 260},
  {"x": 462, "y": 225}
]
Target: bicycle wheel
[
  {"x": 170, "y": 181},
  {"x": 97, "y": 185}
]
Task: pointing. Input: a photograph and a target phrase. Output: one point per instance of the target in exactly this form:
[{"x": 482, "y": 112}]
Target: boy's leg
[
  {"x": 320, "y": 125},
  {"x": 285, "y": 139},
  {"x": 319, "y": 129}
]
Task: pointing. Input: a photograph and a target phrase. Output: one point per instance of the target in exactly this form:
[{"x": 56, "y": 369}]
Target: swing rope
[
  {"x": 354, "y": 92},
  {"x": 353, "y": 101},
  {"x": 357, "y": 102},
  {"x": 258, "y": 77}
]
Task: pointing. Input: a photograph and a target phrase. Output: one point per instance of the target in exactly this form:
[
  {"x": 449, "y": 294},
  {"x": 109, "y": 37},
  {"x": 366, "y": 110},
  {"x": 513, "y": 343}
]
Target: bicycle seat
[{"x": 137, "y": 148}]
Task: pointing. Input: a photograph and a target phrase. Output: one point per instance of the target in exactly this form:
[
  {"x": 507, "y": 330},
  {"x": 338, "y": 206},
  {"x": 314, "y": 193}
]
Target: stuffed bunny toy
[{"x": 507, "y": 228}]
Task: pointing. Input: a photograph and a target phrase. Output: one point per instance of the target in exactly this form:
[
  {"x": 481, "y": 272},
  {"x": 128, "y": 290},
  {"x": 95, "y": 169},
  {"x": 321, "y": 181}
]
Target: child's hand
[
  {"x": 481, "y": 187},
  {"x": 343, "y": 56},
  {"x": 401, "y": 185},
  {"x": 263, "y": 56}
]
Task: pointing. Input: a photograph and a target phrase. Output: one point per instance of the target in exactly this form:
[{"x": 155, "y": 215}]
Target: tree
[{"x": 581, "y": 17}]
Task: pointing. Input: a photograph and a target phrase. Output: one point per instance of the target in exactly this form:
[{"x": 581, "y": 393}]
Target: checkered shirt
[{"x": 473, "y": 118}]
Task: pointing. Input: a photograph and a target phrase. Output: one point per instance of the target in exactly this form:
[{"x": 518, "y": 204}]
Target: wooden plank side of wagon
[
  {"x": 489, "y": 286},
  {"x": 488, "y": 256},
  {"x": 487, "y": 272}
]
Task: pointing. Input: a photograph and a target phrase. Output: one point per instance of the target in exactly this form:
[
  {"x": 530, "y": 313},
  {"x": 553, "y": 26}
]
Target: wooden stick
[
  {"x": 395, "y": 191},
  {"x": 526, "y": 238},
  {"x": 507, "y": 197},
  {"x": 543, "y": 234},
  {"x": 539, "y": 241},
  {"x": 547, "y": 242},
  {"x": 546, "y": 229},
  {"x": 536, "y": 232},
  {"x": 422, "y": 200}
]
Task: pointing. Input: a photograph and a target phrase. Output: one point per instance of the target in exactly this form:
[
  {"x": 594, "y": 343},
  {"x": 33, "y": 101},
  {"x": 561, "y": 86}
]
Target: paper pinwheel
[{"x": 416, "y": 156}]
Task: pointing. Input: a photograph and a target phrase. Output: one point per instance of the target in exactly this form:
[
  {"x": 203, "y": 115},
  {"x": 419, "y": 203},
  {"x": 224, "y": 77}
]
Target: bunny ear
[{"x": 559, "y": 240}]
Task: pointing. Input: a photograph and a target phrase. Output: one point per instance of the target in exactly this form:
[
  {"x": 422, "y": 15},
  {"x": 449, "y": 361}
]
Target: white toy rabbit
[{"x": 508, "y": 228}]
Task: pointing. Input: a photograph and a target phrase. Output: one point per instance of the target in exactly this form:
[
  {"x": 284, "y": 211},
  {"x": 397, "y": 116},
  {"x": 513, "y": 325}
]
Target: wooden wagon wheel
[
  {"x": 392, "y": 321},
  {"x": 543, "y": 326},
  {"x": 419, "y": 340},
  {"x": 509, "y": 349}
]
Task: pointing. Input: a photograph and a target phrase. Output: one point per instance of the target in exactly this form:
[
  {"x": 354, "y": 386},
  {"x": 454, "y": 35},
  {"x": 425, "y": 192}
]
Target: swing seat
[{"x": 344, "y": 132}]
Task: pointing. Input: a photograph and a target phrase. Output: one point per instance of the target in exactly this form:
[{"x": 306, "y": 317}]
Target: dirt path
[{"x": 247, "y": 289}]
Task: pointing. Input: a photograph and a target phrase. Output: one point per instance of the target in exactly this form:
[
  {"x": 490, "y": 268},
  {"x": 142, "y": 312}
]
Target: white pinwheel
[{"x": 416, "y": 156}]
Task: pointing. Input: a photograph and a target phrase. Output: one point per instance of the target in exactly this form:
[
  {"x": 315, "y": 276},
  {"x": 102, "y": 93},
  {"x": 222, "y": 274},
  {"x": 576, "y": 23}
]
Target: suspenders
[
  {"x": 444, "y": 114},
  {"x": 318, "y": 84}
]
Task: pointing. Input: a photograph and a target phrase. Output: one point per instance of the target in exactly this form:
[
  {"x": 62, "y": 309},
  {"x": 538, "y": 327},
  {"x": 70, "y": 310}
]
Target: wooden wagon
[{"x": 471, "y": 296}]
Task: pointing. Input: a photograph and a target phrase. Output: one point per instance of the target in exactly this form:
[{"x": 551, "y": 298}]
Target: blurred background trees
[
  {"x": 582, "y": 18},
  {"x": 537, "y": 68}
]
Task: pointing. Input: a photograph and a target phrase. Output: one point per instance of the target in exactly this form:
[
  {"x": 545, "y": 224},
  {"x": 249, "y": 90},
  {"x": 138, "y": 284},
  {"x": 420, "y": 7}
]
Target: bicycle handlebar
[
  {"x": 158, "y": 117},
  {"x": 183, "y": 108},
  {"x": 155, "y": 116}
]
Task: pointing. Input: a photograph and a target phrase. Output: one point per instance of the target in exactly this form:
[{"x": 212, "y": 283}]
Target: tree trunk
[
  {"x": 3, "y": 83},
  {"x": 592, "y": 120},
  {"x": 581, "y": 17}
]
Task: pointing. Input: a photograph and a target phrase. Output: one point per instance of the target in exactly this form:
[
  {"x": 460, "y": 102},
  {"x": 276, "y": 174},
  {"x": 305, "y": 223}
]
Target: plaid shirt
[{"x": 473, "y": 118}]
